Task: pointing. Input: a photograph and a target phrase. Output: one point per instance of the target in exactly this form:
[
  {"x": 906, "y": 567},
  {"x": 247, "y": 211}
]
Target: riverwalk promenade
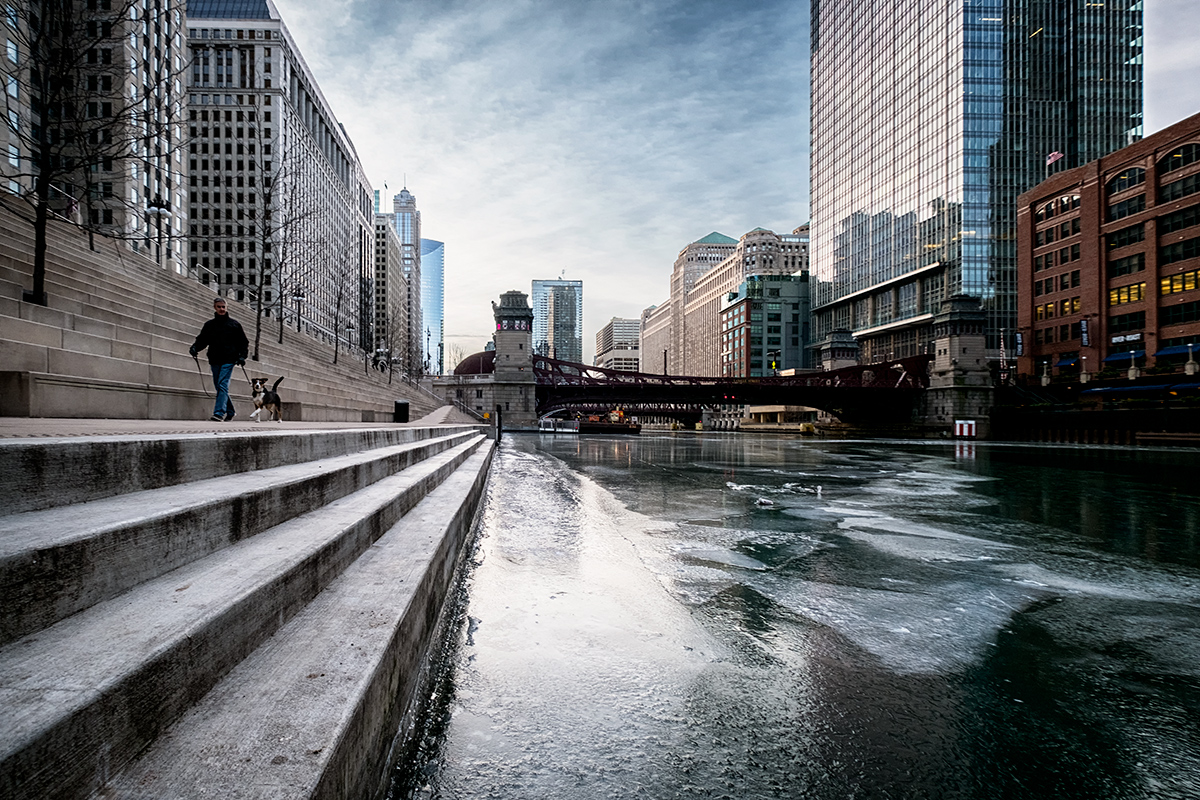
[
  {"x": 42, "y": 427},
  {"x": 199, "y": 609}
]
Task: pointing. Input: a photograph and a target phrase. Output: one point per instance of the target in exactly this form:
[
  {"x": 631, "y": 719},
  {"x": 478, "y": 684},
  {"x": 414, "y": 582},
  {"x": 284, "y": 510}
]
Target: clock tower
[{"x": 514, "y": 380}]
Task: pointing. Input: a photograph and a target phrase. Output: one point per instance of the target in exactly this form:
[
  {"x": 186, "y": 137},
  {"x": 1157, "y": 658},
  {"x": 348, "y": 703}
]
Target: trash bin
[{"x": 400, "y": 414}]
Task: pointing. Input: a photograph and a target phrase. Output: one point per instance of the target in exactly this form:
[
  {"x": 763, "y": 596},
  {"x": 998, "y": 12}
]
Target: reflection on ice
[
  {"x": 938, "y": 632},
  {"x": 704, "y": 555}
]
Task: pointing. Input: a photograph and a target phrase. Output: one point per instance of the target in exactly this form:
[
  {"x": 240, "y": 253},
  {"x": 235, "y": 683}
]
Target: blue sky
[{"x": 599, "y": 138}]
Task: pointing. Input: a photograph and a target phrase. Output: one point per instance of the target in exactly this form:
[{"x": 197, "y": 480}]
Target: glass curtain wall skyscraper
[
  {"x": 558, "y": 319},
  {"x": 928, "y": 119},
  {"x": 433, "y": 276}
]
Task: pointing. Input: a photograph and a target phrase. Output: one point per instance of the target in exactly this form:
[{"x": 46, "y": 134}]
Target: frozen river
[{"x": 739, "y": 616}]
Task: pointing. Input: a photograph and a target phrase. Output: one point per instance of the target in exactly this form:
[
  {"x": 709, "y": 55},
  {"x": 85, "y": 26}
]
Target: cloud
[
  {"x": 1172, "y": 62},
  {"x": 595, "y": 138},
  {"x": 599, "y": 137}
]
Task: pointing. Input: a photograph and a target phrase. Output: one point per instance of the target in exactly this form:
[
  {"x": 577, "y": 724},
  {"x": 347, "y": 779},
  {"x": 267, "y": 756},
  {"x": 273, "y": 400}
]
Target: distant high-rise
[
  {"x": 433, "y": 276},
  {"x": 391, "y": 294},
  {"x": 407, "y": 219},
  {"x": 925, "y": 134},
  {"x": 617, "y": 344},
  {"x": 558, "y": 319}
]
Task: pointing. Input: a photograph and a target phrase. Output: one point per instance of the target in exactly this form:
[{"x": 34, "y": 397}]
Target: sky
[{"x": 594, "y": 140}]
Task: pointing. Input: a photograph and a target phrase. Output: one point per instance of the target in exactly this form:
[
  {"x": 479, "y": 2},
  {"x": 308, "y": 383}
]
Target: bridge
[{"x": 876, "y": 393}]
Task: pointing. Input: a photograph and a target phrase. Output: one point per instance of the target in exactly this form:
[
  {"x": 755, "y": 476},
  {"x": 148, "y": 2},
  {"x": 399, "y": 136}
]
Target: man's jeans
[{"x": 224, "y": 406}]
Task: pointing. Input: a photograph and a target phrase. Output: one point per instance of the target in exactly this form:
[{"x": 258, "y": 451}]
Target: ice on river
[{"x": 890, "y": 625}]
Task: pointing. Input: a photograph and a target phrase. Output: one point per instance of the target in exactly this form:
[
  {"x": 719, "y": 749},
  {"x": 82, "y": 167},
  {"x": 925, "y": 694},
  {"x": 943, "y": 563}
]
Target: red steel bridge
[{"x": 875, "y": 393}]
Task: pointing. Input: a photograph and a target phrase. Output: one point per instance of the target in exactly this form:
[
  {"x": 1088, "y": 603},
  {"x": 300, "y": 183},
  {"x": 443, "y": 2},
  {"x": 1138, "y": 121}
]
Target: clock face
[{"x": 513, "y": 325}]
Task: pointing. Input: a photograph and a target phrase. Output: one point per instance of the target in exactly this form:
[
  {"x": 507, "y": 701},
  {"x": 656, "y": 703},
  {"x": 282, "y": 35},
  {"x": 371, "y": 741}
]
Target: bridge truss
[{"x": 884, "y": 392}]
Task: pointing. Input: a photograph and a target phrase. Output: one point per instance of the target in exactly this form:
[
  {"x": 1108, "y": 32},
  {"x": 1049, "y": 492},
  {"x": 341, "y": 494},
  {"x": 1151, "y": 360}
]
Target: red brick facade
[{"x": 1109, "y": 260}]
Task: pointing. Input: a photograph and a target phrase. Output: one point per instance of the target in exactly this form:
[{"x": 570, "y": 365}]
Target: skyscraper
[
  {"x": 558, "y": 319},
  {"x": 922, "y": 140},
  {"x": 433, "y": 276},
  {"x": 391, "y": 294},
  {"x": 408, "y": 225}
]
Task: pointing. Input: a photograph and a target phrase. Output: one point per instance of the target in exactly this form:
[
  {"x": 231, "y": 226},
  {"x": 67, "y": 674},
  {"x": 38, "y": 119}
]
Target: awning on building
[
  {"x": 1119, "y": 390},
  {"x": 1178, "y": 350},
  {"x": 1124, "y": 356}
]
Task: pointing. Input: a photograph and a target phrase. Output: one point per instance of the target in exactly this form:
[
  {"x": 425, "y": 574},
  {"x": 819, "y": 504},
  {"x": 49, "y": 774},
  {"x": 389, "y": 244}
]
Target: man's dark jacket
[{"x": 225, "y": 340}]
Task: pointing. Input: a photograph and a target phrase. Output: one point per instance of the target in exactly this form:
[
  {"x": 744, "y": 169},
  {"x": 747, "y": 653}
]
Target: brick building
[{"x": 1109, "y": 255}]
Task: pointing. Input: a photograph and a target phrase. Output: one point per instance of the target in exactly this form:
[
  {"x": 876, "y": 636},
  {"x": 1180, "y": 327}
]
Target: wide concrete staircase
[
  {"x": 227, "y": 616},
  {"x": 113, "y": 342}
]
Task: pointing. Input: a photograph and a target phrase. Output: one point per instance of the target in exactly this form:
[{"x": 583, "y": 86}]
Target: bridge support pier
[
  {"x": 943, "y": 406},
  {"x": 960, "y": 383}
]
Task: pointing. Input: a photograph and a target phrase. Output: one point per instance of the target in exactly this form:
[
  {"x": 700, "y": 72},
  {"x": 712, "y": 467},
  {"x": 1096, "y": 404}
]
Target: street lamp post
[
  {"x": 1133, "y": 370},
  {"x": 1084, "y": 377},
  {"x": 1191, "y": 367},
  {"x": 350, "y": 344},
  {"x": 157, "y": 208},
  {"x": 298, "y": 296}
]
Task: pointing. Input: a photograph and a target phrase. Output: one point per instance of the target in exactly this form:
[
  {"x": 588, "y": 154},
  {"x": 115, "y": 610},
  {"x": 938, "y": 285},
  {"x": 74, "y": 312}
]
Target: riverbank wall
[{"x": 1128, "y": 426}]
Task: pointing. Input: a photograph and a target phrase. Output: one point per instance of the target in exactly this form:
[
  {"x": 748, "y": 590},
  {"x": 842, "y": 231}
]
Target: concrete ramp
[{"x": 250, "y": 620}]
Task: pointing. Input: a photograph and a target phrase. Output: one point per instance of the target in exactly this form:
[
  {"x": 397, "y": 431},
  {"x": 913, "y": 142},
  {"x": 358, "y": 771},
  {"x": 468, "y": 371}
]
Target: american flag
[{"x": 1055, "y": 156}]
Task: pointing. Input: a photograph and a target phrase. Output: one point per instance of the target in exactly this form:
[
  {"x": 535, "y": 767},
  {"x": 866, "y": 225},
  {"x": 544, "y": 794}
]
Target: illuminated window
[
  {"x": 1183, "y": 282},
  {"x": 1127, "y": 294}
]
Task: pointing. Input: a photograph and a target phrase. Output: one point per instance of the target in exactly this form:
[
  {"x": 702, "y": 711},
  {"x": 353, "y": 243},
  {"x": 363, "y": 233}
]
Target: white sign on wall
[{"x": 964, "y": 429}]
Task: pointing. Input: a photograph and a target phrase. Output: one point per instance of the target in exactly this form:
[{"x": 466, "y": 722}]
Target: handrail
[{"x": 461, "y": 406}]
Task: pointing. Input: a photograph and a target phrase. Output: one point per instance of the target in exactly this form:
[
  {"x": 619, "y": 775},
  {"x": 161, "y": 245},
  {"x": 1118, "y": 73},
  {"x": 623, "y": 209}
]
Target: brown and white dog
[{"x": 266, "y": 398}]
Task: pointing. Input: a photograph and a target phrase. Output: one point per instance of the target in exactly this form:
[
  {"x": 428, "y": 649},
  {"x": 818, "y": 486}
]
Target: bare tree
[
  {"x": 339, "y": 252},
  {"x": 278, "y": 271},
  {"x": 395, "y": 336},
  {"x": 84, "y": 126},
  {"x": 454, "y": 356}
]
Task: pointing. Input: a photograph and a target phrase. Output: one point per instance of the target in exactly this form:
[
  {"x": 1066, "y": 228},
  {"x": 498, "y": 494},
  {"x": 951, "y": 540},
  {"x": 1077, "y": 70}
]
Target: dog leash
[
  {"x": 243, "y": 366},
  {"x": 202, "y": 384}
]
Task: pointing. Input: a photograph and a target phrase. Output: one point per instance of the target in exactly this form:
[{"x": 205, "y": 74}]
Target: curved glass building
[{"x": 433, "y": 304}]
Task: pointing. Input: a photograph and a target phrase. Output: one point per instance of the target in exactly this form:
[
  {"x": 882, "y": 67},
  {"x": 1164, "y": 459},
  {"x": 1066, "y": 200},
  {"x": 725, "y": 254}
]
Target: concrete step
[
  {"x": 103, "y": 332},
  {"x": 58, "y": 561},
  {"x": 59, "y": 472},
  {"x": 317, "y": 707},
  {"x": 87, "y": 694},
  {"x": 163, "y": 361},
  {"x": 111, "y": 303},
  {"x": 38, "y": 390}
]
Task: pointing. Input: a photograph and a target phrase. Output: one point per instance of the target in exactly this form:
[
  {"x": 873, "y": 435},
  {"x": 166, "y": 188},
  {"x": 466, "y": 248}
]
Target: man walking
[{"x": 227, "y": 345}]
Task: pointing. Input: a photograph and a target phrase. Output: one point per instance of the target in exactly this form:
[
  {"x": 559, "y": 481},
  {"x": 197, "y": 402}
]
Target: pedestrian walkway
[{"x": 42, "y": 427}]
